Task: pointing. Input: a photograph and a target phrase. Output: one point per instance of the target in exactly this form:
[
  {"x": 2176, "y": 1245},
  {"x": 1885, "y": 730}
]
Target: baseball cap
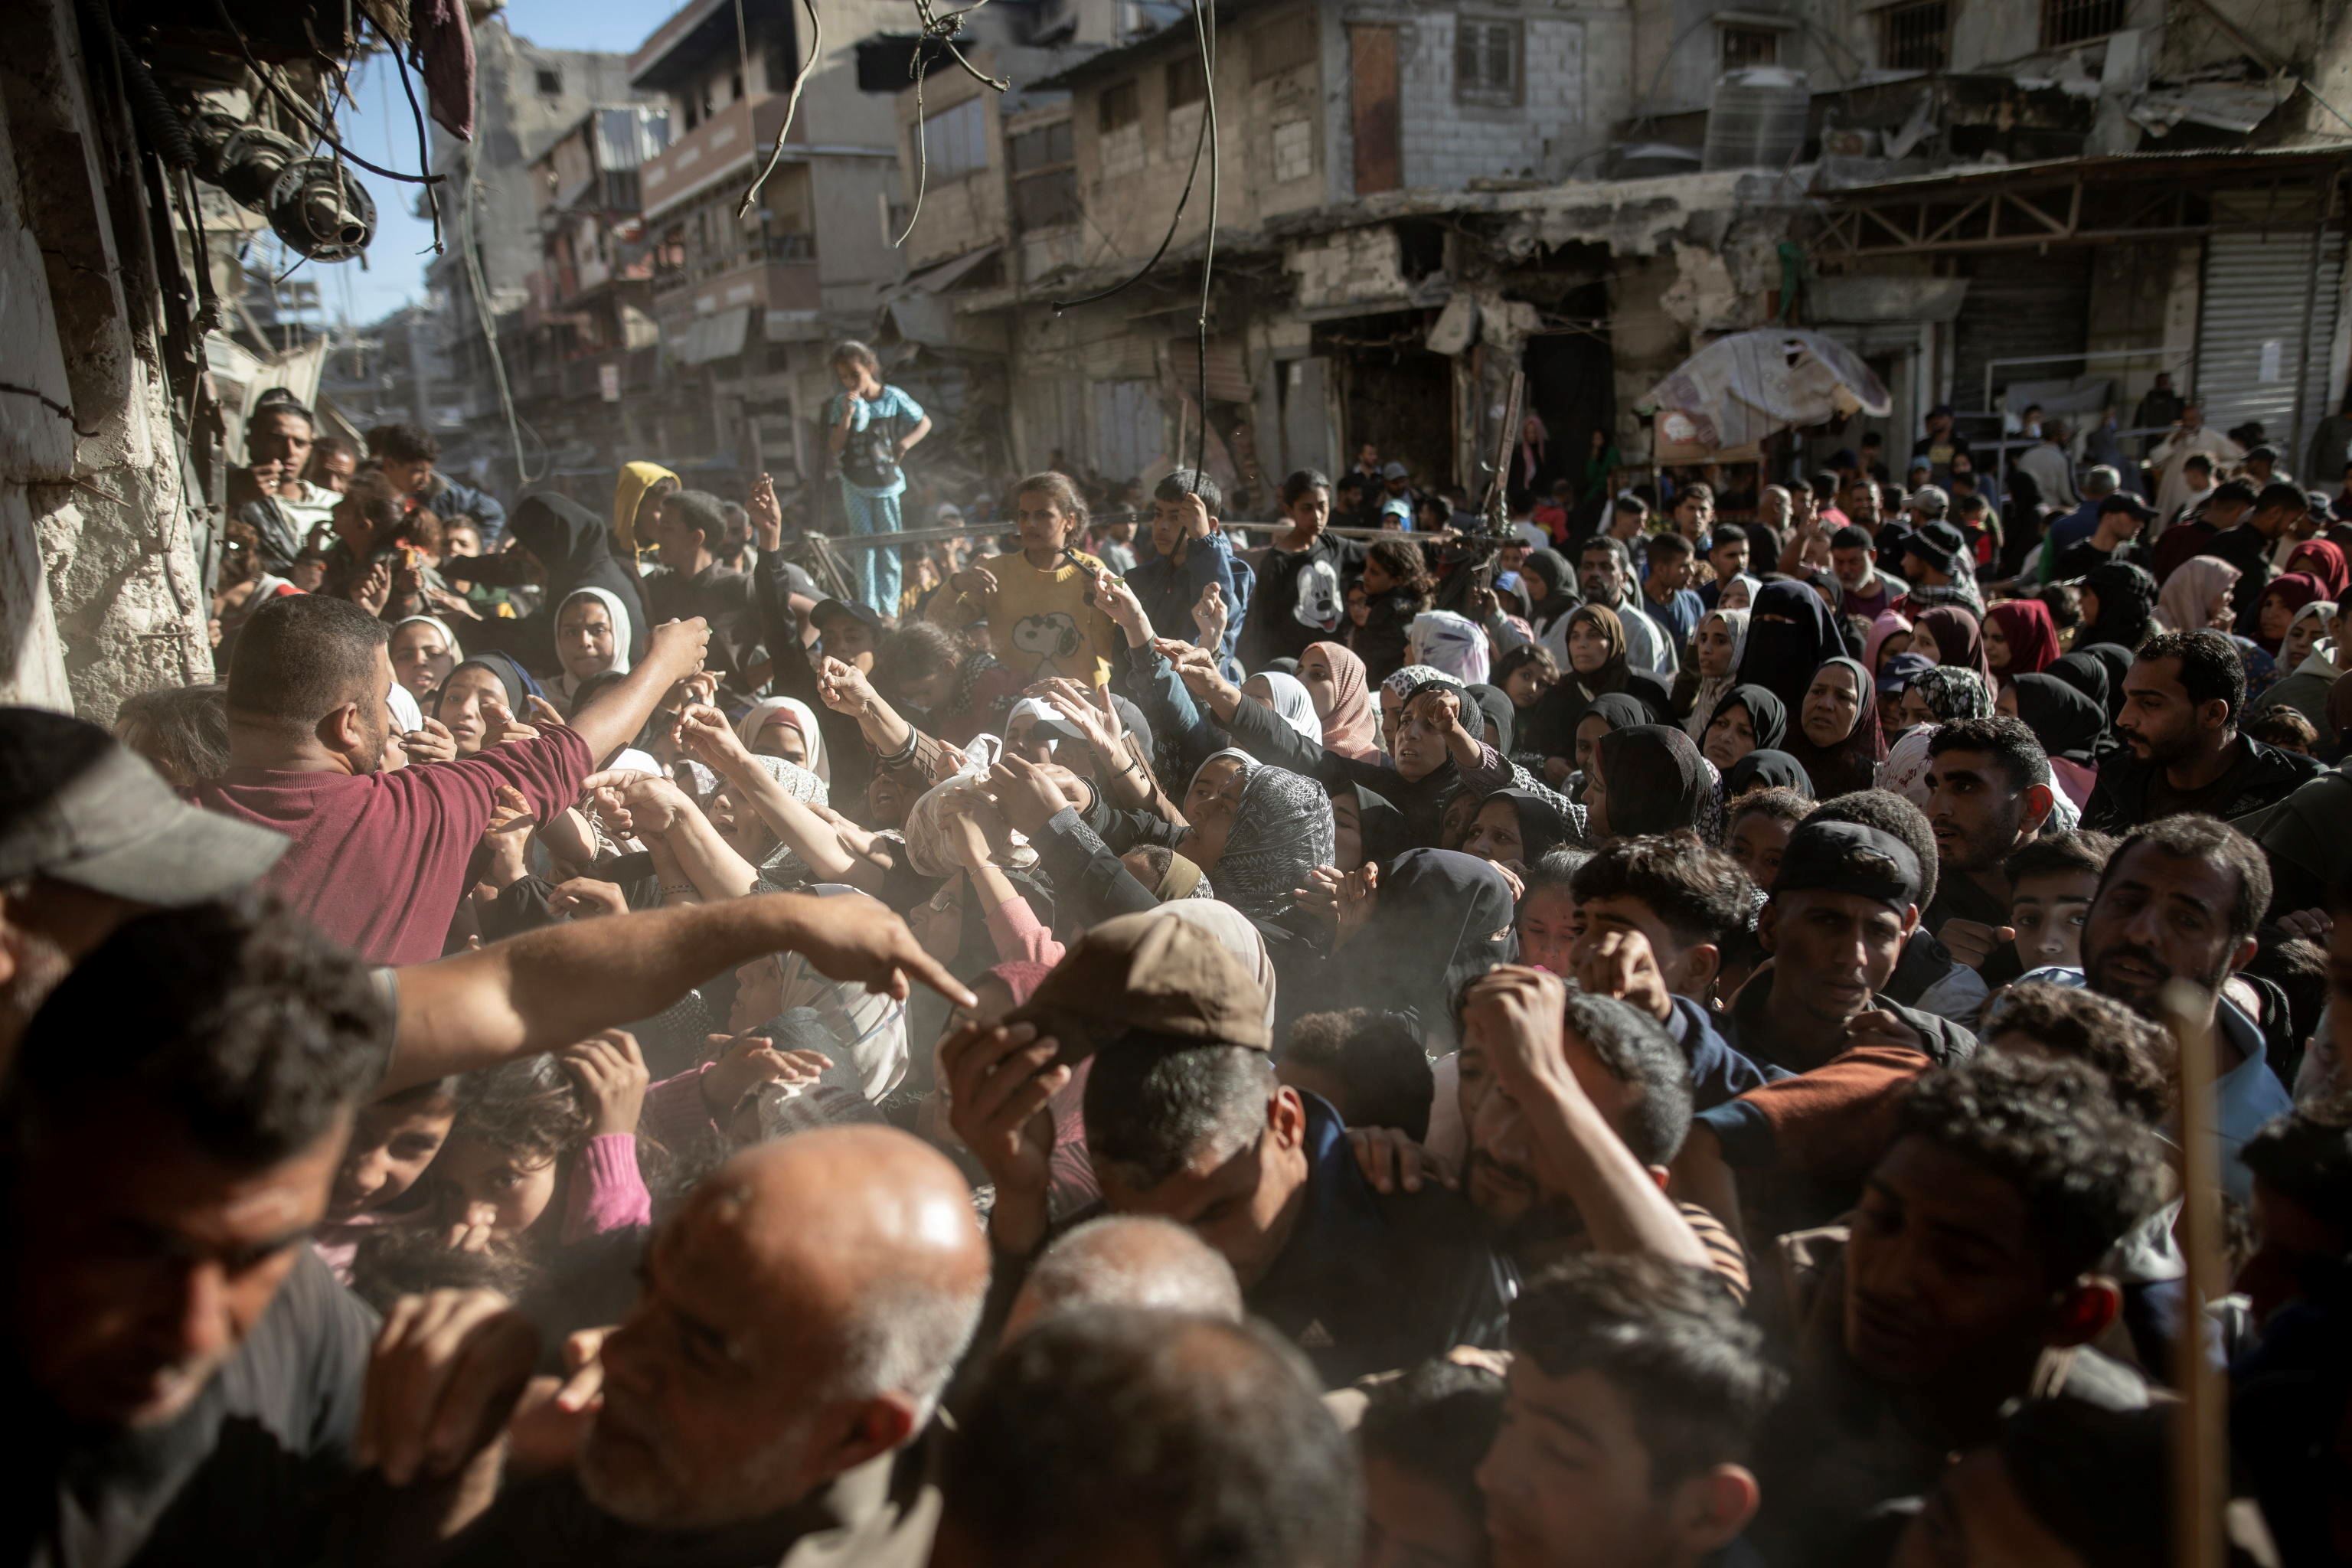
[
  {"x": 830, "y": 610},
  {"x": 1393, "y": 469},
  {"x": 1895, "y": 676},
  {"x": 1144, "y": 972},
  {"x": 1848, "y": 858},
  {"x": 78, "y": 807}
]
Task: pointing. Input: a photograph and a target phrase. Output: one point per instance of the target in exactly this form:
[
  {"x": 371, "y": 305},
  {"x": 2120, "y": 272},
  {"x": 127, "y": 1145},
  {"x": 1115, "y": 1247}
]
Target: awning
[
  {"x": 945, "y": 274},
  {"x": 719, "y": 336},
  {"x": 1742, "y": 388}
]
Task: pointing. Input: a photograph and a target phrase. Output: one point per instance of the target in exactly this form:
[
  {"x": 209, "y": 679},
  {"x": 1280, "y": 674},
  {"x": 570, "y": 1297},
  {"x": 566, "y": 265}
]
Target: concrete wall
[
  {"x": 1449, "y": 143},
  {"x": 100, "y": 594}
]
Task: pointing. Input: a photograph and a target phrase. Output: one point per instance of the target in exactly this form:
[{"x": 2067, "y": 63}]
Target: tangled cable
[
  {"x": 942, "y": 30},
  {"x": 791, "y": 103}
]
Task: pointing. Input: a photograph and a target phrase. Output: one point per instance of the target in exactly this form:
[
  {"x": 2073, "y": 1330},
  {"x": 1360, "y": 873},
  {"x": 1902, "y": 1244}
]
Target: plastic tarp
[{"x": 1741, "y": 389}]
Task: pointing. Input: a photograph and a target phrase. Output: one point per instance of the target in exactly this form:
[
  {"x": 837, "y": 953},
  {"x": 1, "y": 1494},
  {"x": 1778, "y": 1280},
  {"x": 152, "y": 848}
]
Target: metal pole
[{"x": 2200, "y": 1452}]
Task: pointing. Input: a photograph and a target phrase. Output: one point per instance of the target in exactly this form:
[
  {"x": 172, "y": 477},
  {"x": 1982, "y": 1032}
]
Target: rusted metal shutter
[
  {"x": 1228, "y": 382},
  {"x": 2020, "y": 305},
  {"x": 1379, "y": 156}
]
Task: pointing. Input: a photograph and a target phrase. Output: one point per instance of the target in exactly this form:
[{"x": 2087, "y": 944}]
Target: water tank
[{"x": 1757, "y": 119}]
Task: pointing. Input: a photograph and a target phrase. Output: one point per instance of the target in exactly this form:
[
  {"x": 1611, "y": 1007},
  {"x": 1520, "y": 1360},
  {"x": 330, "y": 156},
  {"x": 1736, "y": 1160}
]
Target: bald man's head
[
  {"x": 1151, "y": 1440},
  {"x": 799, "y": 1315},
  {"x": 1127, "y": 1260}
]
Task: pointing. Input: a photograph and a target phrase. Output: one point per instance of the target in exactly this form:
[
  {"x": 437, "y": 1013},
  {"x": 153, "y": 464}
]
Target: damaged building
[{"x": 1989, "y": 201}]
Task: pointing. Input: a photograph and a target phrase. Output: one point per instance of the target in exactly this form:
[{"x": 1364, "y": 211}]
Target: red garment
[
  {"x": 2295, "y": 590},
  {"x": 2032, "y": 636},
  {"x": 2324, "y": 560},
  {"x": 379, "y": 860}
]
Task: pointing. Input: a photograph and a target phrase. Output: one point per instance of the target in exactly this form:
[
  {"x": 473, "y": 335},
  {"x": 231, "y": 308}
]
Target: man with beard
[
  {"x": 2183, "y": 700},
  {"x": 1987, "y": 792},
  {"x": 1604, "y": 570},
  {"x": 1970, "y": 1276},
  {"x": 769, "y": 1397},
  {"x": 2179, "y": 900},
  {"x": 379, "y": 858},
  {"x": 1575, "y": 1105}
]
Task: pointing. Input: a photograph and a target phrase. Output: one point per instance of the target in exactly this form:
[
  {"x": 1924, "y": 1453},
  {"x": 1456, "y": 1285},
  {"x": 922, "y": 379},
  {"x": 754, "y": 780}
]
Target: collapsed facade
[{"x": 1989, "y": 202}]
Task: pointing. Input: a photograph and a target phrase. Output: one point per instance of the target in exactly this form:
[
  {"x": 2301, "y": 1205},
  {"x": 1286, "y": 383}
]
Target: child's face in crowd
[
  {"x": 1757, "y": 842},
  {"x": 1322, "y": 685},
  {"x": 2300, "y": 641},
  {"x": 1495, "y": 833},
  {"x": 1547, "y": 928},
  {"x": 477, "y": 1175},
  {"x": 392, "y": 1146},
  {"x": 1524, "y": 685},
  {"x": 1045, "y": 527},
  {"x": 2047, "y": 913}
]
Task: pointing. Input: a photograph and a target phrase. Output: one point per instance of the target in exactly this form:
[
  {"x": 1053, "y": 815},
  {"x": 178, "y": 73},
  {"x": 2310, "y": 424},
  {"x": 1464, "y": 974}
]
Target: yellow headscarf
[{"x": 637, "y": 479}]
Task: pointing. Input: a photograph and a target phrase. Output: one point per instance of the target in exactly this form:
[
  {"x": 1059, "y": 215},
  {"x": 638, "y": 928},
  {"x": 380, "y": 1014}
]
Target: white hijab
[
  {"x": 456, "y": 654},
  {"x": 1291, "y": 702},
  {"x": 752, "y": 723},
  {"x": 613, "y": 611},
  {"x": 1712, "y": 688}
]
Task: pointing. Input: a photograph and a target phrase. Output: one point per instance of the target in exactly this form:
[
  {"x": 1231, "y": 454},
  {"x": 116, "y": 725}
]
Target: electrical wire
[
  {"x": 1200, "y": 146},
  {"x": 941, "y": 30},
  {"x": 1204, "y": 25},
  {"x": 424, "y": 145},
  {"x": 477, "y": 285},
  {"x": 791, "y": 106},
  {"x": 916, "y": 67},
  {"x": 303, "y": 115}
]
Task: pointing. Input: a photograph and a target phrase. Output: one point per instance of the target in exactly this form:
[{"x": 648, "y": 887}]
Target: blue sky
[{"x": 381, "y": 132}]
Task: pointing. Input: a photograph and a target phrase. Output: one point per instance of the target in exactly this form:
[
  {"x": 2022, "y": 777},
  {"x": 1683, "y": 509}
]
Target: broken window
[
  {"x": 1043, "y": 164},
  {"x": 1120, "y": 106},
  {"x": 2068, "y": 22},
  {"x": 1914, "y": 36},
  {"x": 1738, "y": 47},
  {"x": 1486, "y": 58},
  {"x": 550, "y": 84}
]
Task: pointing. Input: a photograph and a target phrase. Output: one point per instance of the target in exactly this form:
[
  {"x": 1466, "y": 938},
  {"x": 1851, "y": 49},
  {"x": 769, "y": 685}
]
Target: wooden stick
[{"x": 2201, "y": 1457}]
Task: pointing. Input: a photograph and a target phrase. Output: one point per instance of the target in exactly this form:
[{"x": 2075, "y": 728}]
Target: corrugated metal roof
[{"x": 2115, "y": 167}]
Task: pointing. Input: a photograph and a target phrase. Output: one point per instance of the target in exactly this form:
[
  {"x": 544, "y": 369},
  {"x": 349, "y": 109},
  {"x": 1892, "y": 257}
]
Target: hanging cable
[
  {"x": 1204, "y": 25},
  {"x": 477, "y": 285},
  {"x": 1200, "y": 147},
  {"x": 791, "y": 106},
  {"x": 941, "y": 30},
  {"x": 424, "y": 145},
  {"x": 303, "y": 115},
  {"x": 916, "y": 67}
]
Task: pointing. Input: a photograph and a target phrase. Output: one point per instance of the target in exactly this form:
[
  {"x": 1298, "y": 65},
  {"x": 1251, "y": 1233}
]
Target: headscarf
[
  {"x": 628, "y": 494},
  {"x": 1543, "y": 826},
  {"x": 1711, "y": 687},
  {"x": 1451, "y": 643},
  {"x": 782, "y": 863},
  {"x": 1853, "y": 763},
  {"x": 1622, "y": 709},
  {"x": 1754, "y": 586},
  {"x": 1249, "y": 765},
  {"x": 931, "y": 849},
  {"x": 576, "y": 549},
  {"x": 1379, "y": 824},
  {"x": 1763, "y": 769},
  {"x": 1958, "y": 636},
  {"x": 2086, "y": 672},
  {"x": 1282, "y": 830},
  {"x": 1889, "y": 624},
  {"x": 2126, "y": 604},
  {"x": 2068, "y": 723},
  {"x": 1560, "y": 586},
  {"x": 1905, "y": 769},
  {"x": 1496, "y": 704},
  {"x": 405, "y": 713},
  {"x": 2323, "y": 559},
  {"x": 1766, "y": 716},
  {"x": 1782, "y": 655},
  {"x": 1656, "y": 780},
  {"x": 1433, "y": 932},
  {"x": 1411, "y": 677},
  {"x": 1182, "y": 880},
  {"x": 516, "y": 680},
  {"x": 1291, "y": 703},
  {"x": 614, "y": 610},
  {"x": 455, "y": 653},
  {"x": 1610, "y": 675},
  {"x": 2186, "y": 601},
  {"x": 2295, "y": 590},
  {"x": 1234, "y": 932},
  {"x": 1353, "y": 728},
  {"x": 1952, "y": 693},
  {"x": 795, "y": 713},
  {"x": 2032, "y": 636},
  {"x": 871, "y": 1024},
  {"x": 2320, "y": 610}
]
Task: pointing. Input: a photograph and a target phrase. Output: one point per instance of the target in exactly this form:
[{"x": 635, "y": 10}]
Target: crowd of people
[{"x": 1653, "y": 1044}]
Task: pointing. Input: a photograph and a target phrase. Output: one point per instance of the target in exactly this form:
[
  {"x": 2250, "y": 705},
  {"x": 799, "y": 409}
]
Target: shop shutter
[
  {"x": 2249, "y": 334},
  {"x": 2020, "y": 305}
]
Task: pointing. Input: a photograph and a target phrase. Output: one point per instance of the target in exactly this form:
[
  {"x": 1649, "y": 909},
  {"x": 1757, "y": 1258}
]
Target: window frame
[
  {"x": 2056, "y": 13},
  {"x": 1885, "y": 50},
  {"x": 1482, "y": 94},
  {"x": 1129, "y": 97}
]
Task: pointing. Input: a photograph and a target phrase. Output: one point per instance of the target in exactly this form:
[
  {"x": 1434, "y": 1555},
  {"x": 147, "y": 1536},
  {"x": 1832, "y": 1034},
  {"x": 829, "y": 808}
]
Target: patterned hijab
[{"x": 1282, "y": 830}]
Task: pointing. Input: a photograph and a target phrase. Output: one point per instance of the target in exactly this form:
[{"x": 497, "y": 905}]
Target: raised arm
[
  {"x": 613, "y": 720},
  {"x": 704, "y": 734},
  {"x": 548, "y": 988}
]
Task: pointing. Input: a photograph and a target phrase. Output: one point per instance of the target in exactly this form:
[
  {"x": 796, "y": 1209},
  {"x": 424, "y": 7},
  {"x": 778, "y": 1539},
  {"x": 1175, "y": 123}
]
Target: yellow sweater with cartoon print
[{"x": 1039, "y": 623}]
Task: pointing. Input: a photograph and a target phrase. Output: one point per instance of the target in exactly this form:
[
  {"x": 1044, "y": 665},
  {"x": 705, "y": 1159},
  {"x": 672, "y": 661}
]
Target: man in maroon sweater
[{"x": 379, "y": 858}]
